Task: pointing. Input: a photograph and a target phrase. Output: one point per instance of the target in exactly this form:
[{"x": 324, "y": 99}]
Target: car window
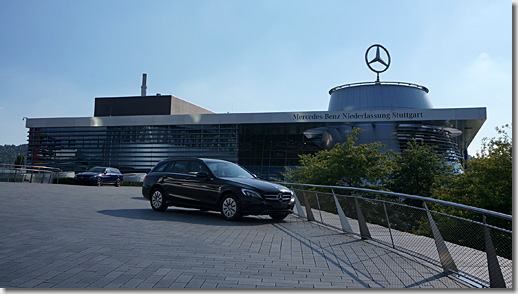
[
  {"x": 116, "y": 171},
  {"x": 196, "y": 167},
  {"x": 161, "y": 167},
  {"x": 228, "y": 170},
  {"x": 179, "y": 167},
  {"x": 99, "y": 170}
]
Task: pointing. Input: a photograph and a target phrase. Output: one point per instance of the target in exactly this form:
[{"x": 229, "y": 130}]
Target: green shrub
[{"x": 131, "y": 184}]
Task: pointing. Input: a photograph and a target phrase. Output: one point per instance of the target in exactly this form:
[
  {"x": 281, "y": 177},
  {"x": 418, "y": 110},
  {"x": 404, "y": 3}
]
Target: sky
[{"x": 248, "y": 56}]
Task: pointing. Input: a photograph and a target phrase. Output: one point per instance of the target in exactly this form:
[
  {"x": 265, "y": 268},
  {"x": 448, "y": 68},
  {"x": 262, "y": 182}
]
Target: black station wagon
[{"x": 213, "y": 184}]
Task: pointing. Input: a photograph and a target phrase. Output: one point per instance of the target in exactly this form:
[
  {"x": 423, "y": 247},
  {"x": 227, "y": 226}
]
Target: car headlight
[
  {"x": 292, "y": 198},
  {"x": 250, "y": 193}
]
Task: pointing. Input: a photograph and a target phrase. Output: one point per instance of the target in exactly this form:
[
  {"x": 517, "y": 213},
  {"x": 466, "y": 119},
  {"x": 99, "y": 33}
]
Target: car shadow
[
  {"x": 139, "y": 198},
  {"x": 186, "y": 215}
]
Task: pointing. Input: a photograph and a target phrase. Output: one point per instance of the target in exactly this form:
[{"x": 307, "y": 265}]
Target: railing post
[
  {"x": 496, "y": 279},
  {"x": 319, "y": 210},
  {"x": 343, "y": 219},
  {"x": 388, "y": 224},
  {"x": 444, "y": 254},
  {"x": 299, "y": 207},
  {"x": 364, "y": 230},
  {"x": 308, "y": 208}
]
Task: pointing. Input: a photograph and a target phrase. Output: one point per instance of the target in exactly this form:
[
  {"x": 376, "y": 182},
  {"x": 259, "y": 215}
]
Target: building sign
[
  {"x": 364, "y": 116},
  {"x": 359, "y": 115}
]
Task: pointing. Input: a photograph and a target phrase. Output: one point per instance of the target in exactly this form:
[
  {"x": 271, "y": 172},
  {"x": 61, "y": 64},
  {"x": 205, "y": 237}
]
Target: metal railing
[
  {"x": 27, "y": 173},
  {"x": 473, "y": 243},
  {"x": 378, "y": 83}
]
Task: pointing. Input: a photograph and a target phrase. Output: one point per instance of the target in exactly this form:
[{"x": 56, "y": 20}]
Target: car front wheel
[
  {"x": 118, "y": 182},
  {"x": 99, "y": 182},
  {"x": 157, "y": 200},
  {"x": 230, "y": 209}
]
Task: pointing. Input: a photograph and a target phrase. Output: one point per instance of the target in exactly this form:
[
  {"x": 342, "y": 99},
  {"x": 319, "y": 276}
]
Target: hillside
[{"x": 8, "y": 153}]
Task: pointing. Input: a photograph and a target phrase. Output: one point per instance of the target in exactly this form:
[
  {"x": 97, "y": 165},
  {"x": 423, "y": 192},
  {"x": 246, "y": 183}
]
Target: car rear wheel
[
  {"x": 230, "y": 208},
  {"x": 279, "y": 216},
  {"x": 157, "y": 200},
  {"x": 99, "y": 182},
  {"x": 118, "y": 182}
]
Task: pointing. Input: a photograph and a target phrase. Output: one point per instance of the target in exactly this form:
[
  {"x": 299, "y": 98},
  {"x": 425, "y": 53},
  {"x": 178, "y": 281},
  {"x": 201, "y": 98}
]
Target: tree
[
  {"x": 418, "y": 170},
  {"x": 487, "y": 180},
  {"x": 20, "y": 159},
  {"x": 8, "y": 152},
  {"x": 345, "y": 164},
  {"x": 485, "y": 183}
]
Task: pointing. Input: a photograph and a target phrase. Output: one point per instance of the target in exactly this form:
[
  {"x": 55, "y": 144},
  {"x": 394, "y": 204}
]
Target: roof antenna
[{"x": 143, "y": 88}]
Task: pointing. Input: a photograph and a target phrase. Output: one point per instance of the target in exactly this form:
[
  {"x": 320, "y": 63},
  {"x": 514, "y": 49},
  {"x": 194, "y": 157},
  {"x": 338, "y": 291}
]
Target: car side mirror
[
  {"x": 202, "y": 175},
  {"x": 105, "y": 172}
]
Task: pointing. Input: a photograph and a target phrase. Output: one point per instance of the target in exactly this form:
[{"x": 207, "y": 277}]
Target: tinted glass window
[
  {"x": 196, "y": 167},
  {"x": 161, "y": 167},
  {"x": 179, "y": 167},
  {"x": 228, "y": 170},
  {"x": 99, "y": 170}
]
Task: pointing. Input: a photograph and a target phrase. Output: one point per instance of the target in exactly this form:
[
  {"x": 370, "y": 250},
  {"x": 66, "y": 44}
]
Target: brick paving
[{"x": 66, "y": 236}]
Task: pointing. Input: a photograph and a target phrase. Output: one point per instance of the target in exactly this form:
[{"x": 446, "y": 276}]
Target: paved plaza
[{"x": 67, "y": 236}]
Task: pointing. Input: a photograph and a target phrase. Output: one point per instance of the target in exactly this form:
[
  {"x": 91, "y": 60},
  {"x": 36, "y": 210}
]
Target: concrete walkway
[{"x": 64, "y": 236}]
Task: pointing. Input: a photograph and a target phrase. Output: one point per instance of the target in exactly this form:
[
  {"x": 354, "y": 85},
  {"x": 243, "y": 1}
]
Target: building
[{"x": 134, "y": 133}]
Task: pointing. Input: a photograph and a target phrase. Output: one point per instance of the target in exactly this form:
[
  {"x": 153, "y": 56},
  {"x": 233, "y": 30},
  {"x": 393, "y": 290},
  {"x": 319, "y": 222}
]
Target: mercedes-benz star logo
[
  {"x": 378, "y": 60},
  {"x": 279, "y": 197}
]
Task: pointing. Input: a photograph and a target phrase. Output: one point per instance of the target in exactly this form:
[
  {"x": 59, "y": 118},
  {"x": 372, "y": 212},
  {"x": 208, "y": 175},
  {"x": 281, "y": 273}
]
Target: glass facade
[
  {"x": 130, "y": 148},
  {"x": 263, "y": 148}
]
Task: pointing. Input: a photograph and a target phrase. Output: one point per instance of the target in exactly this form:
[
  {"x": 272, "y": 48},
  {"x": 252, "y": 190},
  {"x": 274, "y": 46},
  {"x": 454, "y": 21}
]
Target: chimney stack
[{"x": 143, "y": 88}]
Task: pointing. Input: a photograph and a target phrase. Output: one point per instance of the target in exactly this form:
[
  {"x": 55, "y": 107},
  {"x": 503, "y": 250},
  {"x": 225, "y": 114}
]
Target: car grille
[
  {"x": 275, "y": 197},
  {"x": 83, "y": 177}
]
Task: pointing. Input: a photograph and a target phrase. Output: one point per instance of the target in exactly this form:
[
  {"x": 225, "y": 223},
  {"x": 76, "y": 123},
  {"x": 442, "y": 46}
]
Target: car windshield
[
  {"x": 228, "y": 170},
  {"x": 98, "y": 170}
]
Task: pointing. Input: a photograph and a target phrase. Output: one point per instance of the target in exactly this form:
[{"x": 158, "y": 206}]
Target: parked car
[
  {"x": 212, "y": 184},
  {"x": 100, "y": 175}
]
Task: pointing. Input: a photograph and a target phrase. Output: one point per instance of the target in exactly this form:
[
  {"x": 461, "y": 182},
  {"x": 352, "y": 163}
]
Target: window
[
  {"x": 228, "y": 170},
  {"x": 161, "y": 167},
  {"x": 98, "y": 170},
  {"x": 196, "y": 167},
  {"x": 179, "y": 167}
]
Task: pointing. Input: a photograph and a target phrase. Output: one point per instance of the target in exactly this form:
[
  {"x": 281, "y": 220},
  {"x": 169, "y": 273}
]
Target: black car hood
[{"x": 258, "y": 184}]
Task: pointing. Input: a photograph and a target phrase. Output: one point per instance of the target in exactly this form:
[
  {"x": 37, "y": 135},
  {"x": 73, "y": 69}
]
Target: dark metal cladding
[
  {"x": 393, "y": 134},
  {"x": 379, "y": 95}
]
